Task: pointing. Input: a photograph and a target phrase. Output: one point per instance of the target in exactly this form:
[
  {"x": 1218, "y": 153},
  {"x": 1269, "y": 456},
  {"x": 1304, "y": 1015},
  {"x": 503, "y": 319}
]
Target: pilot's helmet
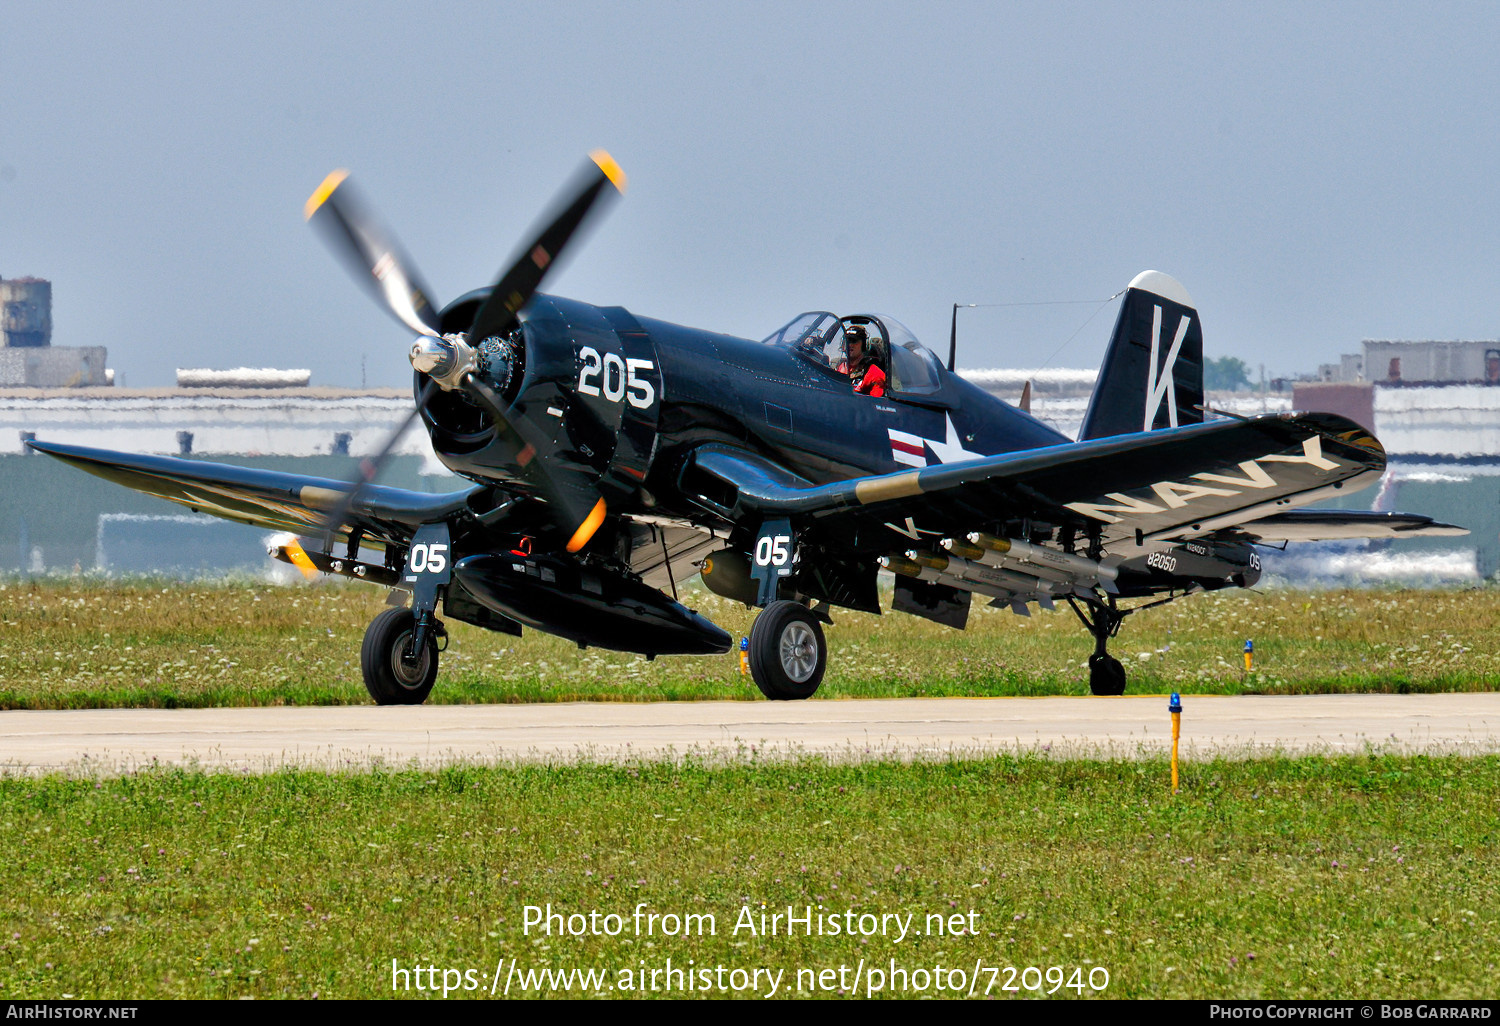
[{"x": 855, "y": 333}]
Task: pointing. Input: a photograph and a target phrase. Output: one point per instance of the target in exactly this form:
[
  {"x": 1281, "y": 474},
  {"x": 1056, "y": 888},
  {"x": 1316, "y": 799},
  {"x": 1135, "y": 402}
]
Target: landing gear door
[
  {"x": 429, "y": 566},
  {"x": 772, "y": 559}
]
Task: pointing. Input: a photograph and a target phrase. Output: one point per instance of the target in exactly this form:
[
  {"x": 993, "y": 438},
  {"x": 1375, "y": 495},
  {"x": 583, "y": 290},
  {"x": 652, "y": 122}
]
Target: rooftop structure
[
  {"x": 27, "y": 355},
  {"x": 1418, "y": 362},
  {"x": 242, "y": 377},
  {"x": 219, "y": 421}
]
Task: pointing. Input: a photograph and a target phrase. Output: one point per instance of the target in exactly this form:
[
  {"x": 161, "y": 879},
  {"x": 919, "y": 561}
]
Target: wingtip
[
  {"x": 610, "y": 168},
  {"x": 1441, "y": 530},
  {"x": 322, "y": 192},
  {"x": 52, "y": 448}
]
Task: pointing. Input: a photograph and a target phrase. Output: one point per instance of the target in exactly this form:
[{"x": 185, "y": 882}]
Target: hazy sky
[{"x": 1314, "y": 174}]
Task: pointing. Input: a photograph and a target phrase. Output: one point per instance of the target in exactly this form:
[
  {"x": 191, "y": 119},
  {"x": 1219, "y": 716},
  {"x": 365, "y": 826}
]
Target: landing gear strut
[
  {"x": 788, "y": 652},
  {"x": 399, "y": 657},
  {"x": 1106, "y": 675}
]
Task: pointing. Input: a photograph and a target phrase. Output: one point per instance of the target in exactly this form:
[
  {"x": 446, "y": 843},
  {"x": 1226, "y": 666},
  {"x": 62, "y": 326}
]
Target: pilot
[{"x": 864, "y": 371}]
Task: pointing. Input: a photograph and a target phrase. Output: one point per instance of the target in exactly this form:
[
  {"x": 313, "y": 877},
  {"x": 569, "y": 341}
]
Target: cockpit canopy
[{"x": 818, "y": 336}]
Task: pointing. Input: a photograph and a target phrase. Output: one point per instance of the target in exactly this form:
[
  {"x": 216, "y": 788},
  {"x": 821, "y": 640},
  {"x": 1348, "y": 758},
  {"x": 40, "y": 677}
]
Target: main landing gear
[
  {"x": 1106, "y": 675},
  {"x": 1103, "y": 619},
  {"x": 788, "y": 652},
  {"x": 399, "y": 657}
]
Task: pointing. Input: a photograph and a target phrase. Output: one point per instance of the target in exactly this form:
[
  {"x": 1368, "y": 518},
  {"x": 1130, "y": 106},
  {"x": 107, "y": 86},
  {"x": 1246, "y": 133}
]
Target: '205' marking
[{"x": 615, "y": 378}]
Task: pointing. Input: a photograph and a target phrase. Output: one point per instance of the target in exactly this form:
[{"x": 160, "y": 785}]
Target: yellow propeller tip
[
  {"x": 300, "y": 560},
  {"x": 587, "y": 528},
  {"x": 322, "y": 192},
  {"x": 609, "y": 167}
]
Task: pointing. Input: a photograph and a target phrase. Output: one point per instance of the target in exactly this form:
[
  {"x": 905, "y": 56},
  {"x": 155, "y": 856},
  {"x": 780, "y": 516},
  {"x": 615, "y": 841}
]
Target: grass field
[
  {"x": 1362, "y": 876},
  {"x": 78, "y": 643},
  {"x": 1318, "y": 877}
]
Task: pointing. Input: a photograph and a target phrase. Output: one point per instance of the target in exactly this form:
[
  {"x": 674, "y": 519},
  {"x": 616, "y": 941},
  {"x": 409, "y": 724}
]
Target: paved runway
[{"x": 113, "y": 740}]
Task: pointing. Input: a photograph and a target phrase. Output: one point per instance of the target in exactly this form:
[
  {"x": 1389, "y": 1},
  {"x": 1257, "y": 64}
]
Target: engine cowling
[{"x": 583, "y": 382}]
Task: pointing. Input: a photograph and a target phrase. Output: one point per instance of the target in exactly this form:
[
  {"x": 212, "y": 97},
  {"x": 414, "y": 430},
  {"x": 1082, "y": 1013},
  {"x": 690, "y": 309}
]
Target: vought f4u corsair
[{"x": 610, "y": 456}]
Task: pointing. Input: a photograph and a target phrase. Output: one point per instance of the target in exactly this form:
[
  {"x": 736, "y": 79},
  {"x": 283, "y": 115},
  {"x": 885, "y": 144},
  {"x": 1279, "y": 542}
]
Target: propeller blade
[
  {"x": 299, "y": 557},
  {"x": 602, "y": 180},
  {"x": 576, "y": 505},
  {"x": 370, "y": 468},
  {"x": 371, "y": 252},
  {"x": 587, "y": 528},
  {"x": 376, "y": 259}
]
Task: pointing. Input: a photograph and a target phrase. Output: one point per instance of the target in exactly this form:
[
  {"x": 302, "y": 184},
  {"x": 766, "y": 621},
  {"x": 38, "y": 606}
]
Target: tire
[
  {"x": 788, "y": 653},
  {"x": 1106, "y": 675},
  {"x": 389, "y": 678}
]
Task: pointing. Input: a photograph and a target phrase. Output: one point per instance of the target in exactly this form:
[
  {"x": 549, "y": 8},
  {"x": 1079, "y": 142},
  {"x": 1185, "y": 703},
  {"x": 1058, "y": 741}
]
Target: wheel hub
[
  {"x": 799, "y": 651},
  {"x": 409, "y": 673}
]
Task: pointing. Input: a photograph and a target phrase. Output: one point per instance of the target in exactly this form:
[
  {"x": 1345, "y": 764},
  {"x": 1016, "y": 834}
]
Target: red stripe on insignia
[{"x": 915, "y": 450}]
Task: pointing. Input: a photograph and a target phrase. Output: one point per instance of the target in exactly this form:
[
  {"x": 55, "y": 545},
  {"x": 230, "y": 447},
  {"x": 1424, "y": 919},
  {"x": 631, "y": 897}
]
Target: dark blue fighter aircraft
[{"x": 611, "y": 456}]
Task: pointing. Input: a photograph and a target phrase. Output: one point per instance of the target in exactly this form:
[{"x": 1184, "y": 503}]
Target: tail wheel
[
  {"x": 788, "y": 653},
  {"x": 392, "y": 675},
  {"x": 1106, "y": 675}
]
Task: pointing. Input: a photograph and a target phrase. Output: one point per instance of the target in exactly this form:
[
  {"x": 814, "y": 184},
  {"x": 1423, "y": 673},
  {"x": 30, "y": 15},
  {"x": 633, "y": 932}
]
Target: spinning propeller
[{"x": 450, "y": 362}]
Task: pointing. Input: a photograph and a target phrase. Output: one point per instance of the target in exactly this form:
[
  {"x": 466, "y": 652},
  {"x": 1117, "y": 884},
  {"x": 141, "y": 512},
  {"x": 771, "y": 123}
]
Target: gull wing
[
  {"x": 265, "y": 498},
  {"x": 1149, "y": 487}
]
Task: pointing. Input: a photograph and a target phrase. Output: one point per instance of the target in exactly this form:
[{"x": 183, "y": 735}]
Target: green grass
[
  {"x": 73, "y": 643},
  {"x": 1365, "y": 876}
]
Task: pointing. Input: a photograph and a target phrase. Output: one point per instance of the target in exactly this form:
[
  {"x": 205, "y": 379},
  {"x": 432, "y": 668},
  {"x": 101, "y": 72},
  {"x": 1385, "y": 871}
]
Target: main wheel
[
  {"x": 390, "y": 677},
  {"x": 787, "y": 652},
  {"x": 1106, "y": 675}
]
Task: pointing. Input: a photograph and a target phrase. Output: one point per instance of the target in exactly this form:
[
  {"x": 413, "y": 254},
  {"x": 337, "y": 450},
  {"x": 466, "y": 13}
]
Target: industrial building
[
  {"x": 1432, "y": 402},
  {"x": 27, "y": 355},
  {"x": 54, "y": 517}
]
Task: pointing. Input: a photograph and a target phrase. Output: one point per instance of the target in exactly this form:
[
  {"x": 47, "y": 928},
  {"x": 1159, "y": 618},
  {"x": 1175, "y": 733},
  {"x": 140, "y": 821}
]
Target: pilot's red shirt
[{"x": 872, "y": 382}]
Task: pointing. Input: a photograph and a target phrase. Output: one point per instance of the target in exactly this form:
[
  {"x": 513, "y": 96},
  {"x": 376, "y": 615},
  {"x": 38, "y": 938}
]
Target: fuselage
[{"x": 626, "y": 397}]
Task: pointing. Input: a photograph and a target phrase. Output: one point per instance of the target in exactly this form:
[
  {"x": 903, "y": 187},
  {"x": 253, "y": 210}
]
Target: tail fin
[{"x": 1153, "y": 370}]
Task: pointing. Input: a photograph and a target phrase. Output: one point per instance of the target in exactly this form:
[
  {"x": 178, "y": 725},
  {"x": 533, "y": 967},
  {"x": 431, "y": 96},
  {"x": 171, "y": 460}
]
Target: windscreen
[{"x": 818, "y": 336}]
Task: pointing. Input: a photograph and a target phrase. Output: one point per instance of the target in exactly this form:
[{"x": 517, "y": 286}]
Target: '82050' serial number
[{"x": 1162, "y": 561}]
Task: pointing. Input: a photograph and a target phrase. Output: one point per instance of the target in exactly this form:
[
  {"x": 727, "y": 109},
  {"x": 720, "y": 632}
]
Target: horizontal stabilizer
[{"x": 1335, "y": 524}]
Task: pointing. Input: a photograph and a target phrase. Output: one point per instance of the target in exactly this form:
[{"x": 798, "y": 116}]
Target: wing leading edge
[{"x": 263, "y": 498}]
